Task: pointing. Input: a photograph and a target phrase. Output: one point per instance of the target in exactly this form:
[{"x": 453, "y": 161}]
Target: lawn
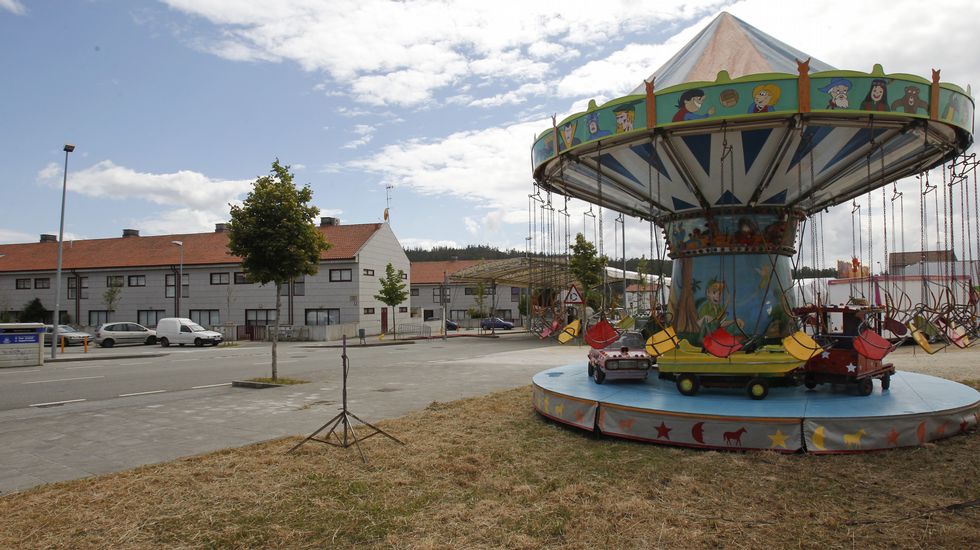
[{"x": 489, "y": 472}]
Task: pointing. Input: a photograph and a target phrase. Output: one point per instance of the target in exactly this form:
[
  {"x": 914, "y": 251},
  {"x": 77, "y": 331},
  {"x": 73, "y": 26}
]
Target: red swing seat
[
  {"x": 721, "y": 343},
  {"x": 871, "y": 345},
  {"x": 601, "y": 334}
]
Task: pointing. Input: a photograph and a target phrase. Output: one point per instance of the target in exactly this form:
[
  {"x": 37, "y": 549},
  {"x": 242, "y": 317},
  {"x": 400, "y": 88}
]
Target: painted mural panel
[
  {"x": 727, "y": 100},
  {"x": 746, "y": 294},
  {"x": 736, "y": 232}
]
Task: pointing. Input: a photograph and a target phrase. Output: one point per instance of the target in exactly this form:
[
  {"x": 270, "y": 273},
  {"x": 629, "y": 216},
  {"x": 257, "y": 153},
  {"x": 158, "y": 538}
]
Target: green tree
[
  {"x": 111, "y": 298},
  {"x": 480, "y": 297},
  {"x": 392, "y": 291},
  {"x": 34, "y": 312},
  {"x": 522, "y": 307},
  {"x": 274, "y": 234},
  {"x": 586, "y": 265}
]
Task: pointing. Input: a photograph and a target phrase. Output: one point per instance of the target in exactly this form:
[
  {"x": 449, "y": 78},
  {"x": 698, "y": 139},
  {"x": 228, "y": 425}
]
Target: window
[
  {"x": 299, "y": 286},
  {"x": 185, "y": 287},
  {"x": 368, "y": 272},
  {"x": 435, "y": 295},
  {"x": 404, "y": 276},
  {"x": 44, "y": 282},
  {"x": 80, "y": 284},
  {"x": 206, "y": 317},
  {"x": 240, "y": 278},
  {"x": 471, "y": 291},
  {"x": 340, "y": 275},
  {"x": 113, "y": 281},
  {"x": 23, "y": 284},
  {"x": 260, "y": 317},
  {"x": 149, "y": 317},
  {"x": 428, "y": 314},
  {"x": 284, "y": 290},
  {"x": 504, "y": 314},
  {"x": 322, "y": 316},
  {"x": 97, "y": 316},
  {"x": 458, "y": 314},
  {"x": 415, "y": 292},
  {"x": 515, "y": 293},
  {"x": 137, "y": 280},
  {"x": 369, "y": 311},
  {"x": 219, "y": 279},
  {"x": 402, "y": 309}
]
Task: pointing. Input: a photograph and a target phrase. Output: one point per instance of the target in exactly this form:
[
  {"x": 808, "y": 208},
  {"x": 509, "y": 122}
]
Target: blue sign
[{"x": 18, "y": 338}]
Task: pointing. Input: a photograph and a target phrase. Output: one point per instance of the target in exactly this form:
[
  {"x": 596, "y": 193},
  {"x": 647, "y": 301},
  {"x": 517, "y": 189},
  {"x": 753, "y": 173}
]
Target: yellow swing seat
[
  {"x": 920, "y": 338},
  {"x": 570, "y": 332},
  {"x": 662, "y": 342},
  {"x": 802, "y": 346}
]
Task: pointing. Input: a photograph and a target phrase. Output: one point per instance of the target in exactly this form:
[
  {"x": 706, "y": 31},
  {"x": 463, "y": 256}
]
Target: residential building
[
  {"x": 214, "y": 291},
  {"x": 462, "y": 298}
]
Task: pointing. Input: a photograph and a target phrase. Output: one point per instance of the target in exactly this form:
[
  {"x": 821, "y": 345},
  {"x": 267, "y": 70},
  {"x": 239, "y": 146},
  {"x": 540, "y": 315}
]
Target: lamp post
[
  {"x": 180, "y": 277},
  {"x": 61, "y": 242}
]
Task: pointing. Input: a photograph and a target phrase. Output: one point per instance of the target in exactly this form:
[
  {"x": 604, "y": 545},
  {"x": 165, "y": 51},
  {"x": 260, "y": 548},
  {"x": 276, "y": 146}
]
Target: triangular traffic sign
[{"x": 572, "y": 296}]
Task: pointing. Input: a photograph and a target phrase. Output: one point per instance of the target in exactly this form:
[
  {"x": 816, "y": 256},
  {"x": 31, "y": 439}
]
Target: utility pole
[{"x": 442, "y": 299}]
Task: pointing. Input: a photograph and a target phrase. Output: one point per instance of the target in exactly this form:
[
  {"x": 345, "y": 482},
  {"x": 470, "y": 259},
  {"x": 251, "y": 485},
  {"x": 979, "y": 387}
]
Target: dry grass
[{"x": 489, "y": 472}]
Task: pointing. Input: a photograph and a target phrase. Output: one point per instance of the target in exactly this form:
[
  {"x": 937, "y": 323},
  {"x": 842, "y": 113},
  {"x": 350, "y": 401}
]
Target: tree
[
  {"x": 480, "y": 297},
  {"x": 111, "y": 298},
  {"x": 586, "y": 265},
  {"x": 522, "y": 307},
  {"x": 274, "y": 234},
  {"x": 34, "y": 312},
  {"x": 392, "y": 291}
]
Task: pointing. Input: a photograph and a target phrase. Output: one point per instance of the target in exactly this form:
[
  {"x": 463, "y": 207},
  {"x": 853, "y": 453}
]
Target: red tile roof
[
  {"x": 431, "y": 273},
  {"x": 135, "y": 252}
]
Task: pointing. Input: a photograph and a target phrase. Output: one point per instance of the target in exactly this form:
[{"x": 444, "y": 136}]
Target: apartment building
[{"x": 429, "y": 277}]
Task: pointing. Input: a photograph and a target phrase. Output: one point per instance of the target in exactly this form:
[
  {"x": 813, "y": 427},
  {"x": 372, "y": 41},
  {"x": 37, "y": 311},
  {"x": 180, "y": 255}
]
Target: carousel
[{"x": 732, "y": 152}]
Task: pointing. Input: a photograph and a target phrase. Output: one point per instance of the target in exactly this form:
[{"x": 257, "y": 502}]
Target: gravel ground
[{"x": 952, "y": 363}]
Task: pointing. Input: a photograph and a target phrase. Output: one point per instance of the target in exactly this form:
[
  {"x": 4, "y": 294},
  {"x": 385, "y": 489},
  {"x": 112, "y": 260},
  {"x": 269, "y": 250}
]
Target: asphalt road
[{"x": 188, "y": 369}]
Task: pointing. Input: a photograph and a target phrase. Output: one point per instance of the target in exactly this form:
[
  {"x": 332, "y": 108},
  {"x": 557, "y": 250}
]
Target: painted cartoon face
[
  {"x": 877, "y": 92},
  {"x": 568, "y": 132},
  {"x": 838, "y": 92},
  {"x": 593, "y": 126},
  {"x": 762, "y": 99},
  {"x": 713, "y": 293},
  {"x": 692, "y": 105},
  {"x": 624, "y": 123}
]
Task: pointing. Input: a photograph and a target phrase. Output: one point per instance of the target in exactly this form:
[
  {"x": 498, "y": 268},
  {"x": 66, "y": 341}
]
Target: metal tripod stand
[{"x": 341, "y": 426}]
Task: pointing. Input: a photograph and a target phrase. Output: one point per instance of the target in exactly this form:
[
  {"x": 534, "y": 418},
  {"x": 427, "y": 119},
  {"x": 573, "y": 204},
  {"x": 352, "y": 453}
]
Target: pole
[
  {"x": 442, "y": 299},
  {"x": 61, "y": 245},
  {"x": 180, "y": 283}
]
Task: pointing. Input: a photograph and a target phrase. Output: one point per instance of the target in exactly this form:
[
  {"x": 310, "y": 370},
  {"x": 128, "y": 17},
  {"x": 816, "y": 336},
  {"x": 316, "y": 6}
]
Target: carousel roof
[
  {"x": 738, "y": 118},
  {"x": 729, "y": 44}
]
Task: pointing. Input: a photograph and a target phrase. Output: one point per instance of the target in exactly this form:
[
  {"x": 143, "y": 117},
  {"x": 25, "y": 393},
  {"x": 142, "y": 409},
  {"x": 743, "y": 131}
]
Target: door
[{"x": 384, "y": 320}]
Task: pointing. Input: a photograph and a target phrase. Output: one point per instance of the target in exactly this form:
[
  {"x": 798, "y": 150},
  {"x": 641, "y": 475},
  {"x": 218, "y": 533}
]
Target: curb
[
  {"x": 254, "y": 385},
  {"x": 103, "y": 358},
  {"x": 372, "y": 345}
]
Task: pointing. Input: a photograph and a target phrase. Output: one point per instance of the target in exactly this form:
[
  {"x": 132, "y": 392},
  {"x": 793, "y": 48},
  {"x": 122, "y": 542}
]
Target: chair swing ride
[{"x": 735, "y": 171}]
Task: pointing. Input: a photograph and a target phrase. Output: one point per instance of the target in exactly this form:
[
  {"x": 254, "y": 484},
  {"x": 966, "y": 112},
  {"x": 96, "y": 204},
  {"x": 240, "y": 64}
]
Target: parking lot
[{"x": 118, "y": 408}]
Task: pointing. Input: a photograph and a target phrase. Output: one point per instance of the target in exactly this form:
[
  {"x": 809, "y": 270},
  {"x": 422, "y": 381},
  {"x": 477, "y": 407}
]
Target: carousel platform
[{"x": 916, "y": 409}]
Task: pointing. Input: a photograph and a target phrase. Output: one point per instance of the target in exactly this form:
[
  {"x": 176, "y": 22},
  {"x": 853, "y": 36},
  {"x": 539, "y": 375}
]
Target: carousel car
[{"x": 624, "y": 359}]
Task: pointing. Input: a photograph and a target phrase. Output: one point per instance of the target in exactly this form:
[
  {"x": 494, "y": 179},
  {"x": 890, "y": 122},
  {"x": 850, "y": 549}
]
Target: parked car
[
  {"x": 71, "y": 335},
  {"x": 495, "y": 322},
  {"x": 181, "y": 331},
  {"x": 450, "y": 324},
  {"x": 624, "y": 359},
  {"x": 110, "y": 334}
]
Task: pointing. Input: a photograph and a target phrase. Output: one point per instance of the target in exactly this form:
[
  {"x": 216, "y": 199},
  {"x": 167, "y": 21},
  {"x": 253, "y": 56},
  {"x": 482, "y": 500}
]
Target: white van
[{"x": 180, "y": 330}]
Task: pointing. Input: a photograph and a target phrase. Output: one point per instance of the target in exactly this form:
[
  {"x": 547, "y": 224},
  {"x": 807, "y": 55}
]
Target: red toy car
[{"x": 624, "y": 359}]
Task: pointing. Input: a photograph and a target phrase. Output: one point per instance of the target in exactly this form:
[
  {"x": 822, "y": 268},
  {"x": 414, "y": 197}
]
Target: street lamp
[
  {"x": 61, "y": 242},
  {"x": 180, "y": 277}
]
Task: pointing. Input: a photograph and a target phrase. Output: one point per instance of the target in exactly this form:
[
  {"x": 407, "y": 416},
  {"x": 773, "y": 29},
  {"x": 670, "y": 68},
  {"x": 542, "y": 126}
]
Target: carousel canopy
[{"x": 784, "y": 132}]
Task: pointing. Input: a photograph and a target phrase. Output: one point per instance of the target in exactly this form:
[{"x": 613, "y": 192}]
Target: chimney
[
  {"x": 48, "y": 238},
  {"x": 329, "y": 221},
  {"x": 220, "y": 227},
  {"x": 131, "y": 232}
]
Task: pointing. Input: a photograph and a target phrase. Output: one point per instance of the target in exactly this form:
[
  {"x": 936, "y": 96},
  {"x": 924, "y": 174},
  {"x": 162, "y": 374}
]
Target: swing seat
[
  {"x": 570, "y": 332},
  {"x": 802, "y": 346},
  {"x": 956, "y": 334},
  {"x": 662, "y": 342},
  {"x": 601, "y": 334},
  {"x": 896, "y": 327},
  {"x": 626, "y": 323},
  {"x": 871, "y": 345},
  {"x": 920, "y": 338},
  {"x": 549, "y": 330},
  {"x": 721, "y": 343}
]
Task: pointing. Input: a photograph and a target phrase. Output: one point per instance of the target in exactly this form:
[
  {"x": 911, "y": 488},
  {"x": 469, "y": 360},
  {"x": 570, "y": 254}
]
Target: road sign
[{"x": 572, "y": 296}]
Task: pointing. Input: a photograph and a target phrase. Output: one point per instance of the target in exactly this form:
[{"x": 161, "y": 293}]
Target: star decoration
[
  {"x": 851, "y": 367},
  {"x": 663, "y": 432},
  {"x": 778, "y": 439},
  {"x": 825, "y": 355},
  {"x": 892, "y": 437},
  {"x": 579, "y": 416}
]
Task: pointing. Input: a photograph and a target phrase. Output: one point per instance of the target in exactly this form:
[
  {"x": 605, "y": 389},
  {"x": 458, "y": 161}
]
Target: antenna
[{"x": 388, "y": 188}]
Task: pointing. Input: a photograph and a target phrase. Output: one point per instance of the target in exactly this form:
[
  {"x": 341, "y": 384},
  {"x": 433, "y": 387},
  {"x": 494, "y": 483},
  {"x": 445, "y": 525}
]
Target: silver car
[
  {"x": 71, "y": 335},
  {"x": 110, "y": 334}
]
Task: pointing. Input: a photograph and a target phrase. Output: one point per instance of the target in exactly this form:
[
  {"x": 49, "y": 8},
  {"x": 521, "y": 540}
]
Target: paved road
[{"x": 193, "y": 410}]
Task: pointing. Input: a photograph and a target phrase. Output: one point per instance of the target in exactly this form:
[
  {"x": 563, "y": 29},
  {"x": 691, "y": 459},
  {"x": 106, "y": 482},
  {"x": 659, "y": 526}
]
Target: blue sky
[{"x": 176, "y": 106}]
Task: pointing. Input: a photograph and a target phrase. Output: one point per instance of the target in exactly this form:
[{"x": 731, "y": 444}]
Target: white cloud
[
  {"x": 401, "y": 53},
  {"x": 471, "y": 225},
  {"x": 13, "y": 6},
  {"x": 15, "y": 236},
  {"x": 201, "y": 201},
  {"x": 519, "y": 95},
  {"x": 427, "y": 244},
  {"x": 365, "y": 133}
]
